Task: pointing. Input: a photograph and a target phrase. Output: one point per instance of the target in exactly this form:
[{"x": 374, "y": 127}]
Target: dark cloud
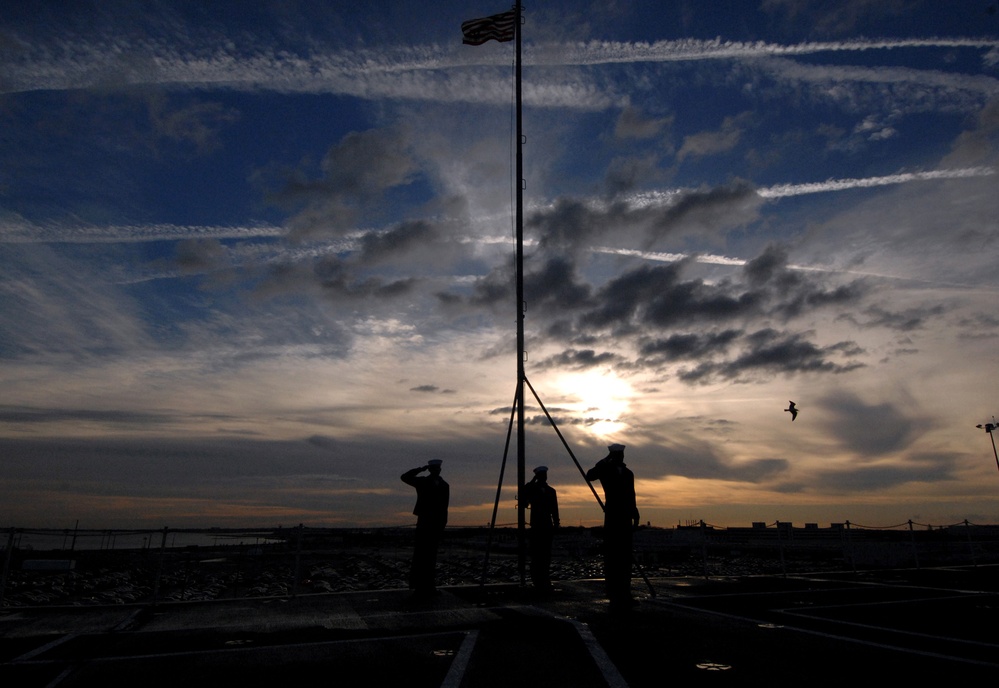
[
  {"x": 625, "y": 174},
  {"x": 551, "y": 288},
  {"x": 759, "y": 470},
  {"x": 555, "y": 287},
  {"x": 386, "y": 265},
  {"x": 687, "y": 346},
  {"x": 324, "y": 442},
  {"x": 337, "y": 280},
  {"x": 562, "y": 329},
  {"x": 790, "y": 292},
  {"x": 431, "y": 389},
  {"x": 417, "y": 247},
  {"x": 713, "y": 142},
  {"x": 710, "y": 210},
  {"x": 976, "y": 146},
  {"x": 573, "y": 224},
  {"x": 388, "y": 289},
  {"x": 870, "y": 430},
  {"x": 356, "y": 174},
  {"x": 195, "y": 255},
  {"x": 700, "y": 460},
  {"x": 573, "y": 418},
  {"x": 770, "y": 267},
  {"x": 769, "y": 351},
  {"x": 902, "y": 321},
  {"x": 633, "y": 124},
  {"x": 981, "y": 320},
  {"x": 496, "y": 288},
  {"x": 578, "y": 360},
  {"x": 790, "y": 487},
  {"x": 626, "y": 297},
  {"x": 979, "y": 326},
  {"x": 405, "y": 237},
  {"x": 811, "y": 297},
  {"x": 657, "y": 296},
  {"x": 366, "y": 163},
  {"x": 654, "y": 297},
  {"x": 916, "y": 468},
  {"x": 694, "y": 300},
  {"x": 22, "y": 414},
  {"x": 195, "y": 124},
  {"x": 534, "y": 415}
]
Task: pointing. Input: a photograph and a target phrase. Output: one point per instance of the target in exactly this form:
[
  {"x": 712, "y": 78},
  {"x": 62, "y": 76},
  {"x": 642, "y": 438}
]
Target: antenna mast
[{"x": 521, "y": 471}]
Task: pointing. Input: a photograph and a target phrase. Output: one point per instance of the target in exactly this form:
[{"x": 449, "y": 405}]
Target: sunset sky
[{"x": 256, "y": 259}]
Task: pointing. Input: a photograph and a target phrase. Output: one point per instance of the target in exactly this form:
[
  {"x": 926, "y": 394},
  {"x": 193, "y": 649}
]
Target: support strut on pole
[{"x": 499, "y": 489}]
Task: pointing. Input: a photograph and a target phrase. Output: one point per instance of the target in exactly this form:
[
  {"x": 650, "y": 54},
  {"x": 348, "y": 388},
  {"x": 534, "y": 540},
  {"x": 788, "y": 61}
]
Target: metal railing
[{"x": 174, "y": 565}]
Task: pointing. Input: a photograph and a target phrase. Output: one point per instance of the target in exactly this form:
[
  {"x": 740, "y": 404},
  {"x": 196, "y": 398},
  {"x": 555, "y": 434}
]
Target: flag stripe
[{"x": 498, "y": 27}]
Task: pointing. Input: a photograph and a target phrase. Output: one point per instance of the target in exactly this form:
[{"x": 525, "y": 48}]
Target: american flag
[{"x": 498, "y": 27}]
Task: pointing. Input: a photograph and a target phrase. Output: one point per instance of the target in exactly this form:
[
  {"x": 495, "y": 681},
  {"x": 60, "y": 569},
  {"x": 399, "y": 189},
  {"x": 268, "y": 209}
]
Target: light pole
[{"x": 989, "y": 427}]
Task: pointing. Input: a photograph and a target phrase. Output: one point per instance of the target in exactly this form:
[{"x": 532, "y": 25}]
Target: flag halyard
[{"x": 497, "y": 27}]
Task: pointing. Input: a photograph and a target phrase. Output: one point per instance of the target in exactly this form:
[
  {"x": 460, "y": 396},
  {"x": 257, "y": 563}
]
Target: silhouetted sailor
[
  {"x": 620, "y": 519},
  {"x": 542, "y": 500},
  {"x": 432, "y": 498}
]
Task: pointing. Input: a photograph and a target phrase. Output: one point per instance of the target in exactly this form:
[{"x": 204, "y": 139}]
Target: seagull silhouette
[{"x": 794, "y": 411}]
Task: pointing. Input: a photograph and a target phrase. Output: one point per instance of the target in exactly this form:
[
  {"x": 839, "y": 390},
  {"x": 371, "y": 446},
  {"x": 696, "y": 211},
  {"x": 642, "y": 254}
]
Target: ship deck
[{"x": 821, "y": 629}]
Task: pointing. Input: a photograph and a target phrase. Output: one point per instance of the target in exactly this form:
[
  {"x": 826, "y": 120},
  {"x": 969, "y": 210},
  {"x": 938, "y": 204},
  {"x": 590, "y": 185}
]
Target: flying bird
[{"x": 792, "y": 410}]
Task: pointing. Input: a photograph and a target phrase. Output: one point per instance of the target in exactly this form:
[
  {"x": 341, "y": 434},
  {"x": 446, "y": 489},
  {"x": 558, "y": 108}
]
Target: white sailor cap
[
  {"x": 434, "y": 462},
  {"x": 541, "y": 469},
  {"x": 616, "y": 448}
]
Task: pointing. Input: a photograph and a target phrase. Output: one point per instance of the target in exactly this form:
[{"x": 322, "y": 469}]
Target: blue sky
[{"x": 256, "y": 259}]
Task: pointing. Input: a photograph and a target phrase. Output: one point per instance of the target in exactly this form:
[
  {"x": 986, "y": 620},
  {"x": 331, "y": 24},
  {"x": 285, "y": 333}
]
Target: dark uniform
[
  {"x": 433, "y": 495},
  {"x": 620, "y": 520},
  {"x": 542, "y": 500}
]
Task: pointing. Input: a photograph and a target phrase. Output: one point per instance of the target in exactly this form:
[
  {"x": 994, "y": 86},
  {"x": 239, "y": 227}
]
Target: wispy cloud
[{"x": 434, "y": 72}]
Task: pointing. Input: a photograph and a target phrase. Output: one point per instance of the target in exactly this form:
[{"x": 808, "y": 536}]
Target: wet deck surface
[{"x": 908, "y": 626}]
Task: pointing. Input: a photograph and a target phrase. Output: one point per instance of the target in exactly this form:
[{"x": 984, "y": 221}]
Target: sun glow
[{"x": 600, "y": 399}]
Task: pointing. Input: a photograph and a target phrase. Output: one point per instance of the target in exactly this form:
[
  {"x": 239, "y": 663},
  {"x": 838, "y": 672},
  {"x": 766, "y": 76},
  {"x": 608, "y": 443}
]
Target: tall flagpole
[{"x": 521, "y": 471}]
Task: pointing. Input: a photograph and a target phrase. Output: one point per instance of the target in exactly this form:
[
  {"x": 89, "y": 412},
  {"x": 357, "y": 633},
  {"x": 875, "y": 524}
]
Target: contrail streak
[
  {"x": 29, "y": 233},
  {"x": 779, "y": 191},
  {"x": 785, "y": 190},
  {"x": 604, "y": 52},
  {"x": 70, "y": 64}
]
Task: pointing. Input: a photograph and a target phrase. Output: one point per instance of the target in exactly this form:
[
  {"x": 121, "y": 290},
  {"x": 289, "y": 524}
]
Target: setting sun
[{"x": 600, "y": 398}]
